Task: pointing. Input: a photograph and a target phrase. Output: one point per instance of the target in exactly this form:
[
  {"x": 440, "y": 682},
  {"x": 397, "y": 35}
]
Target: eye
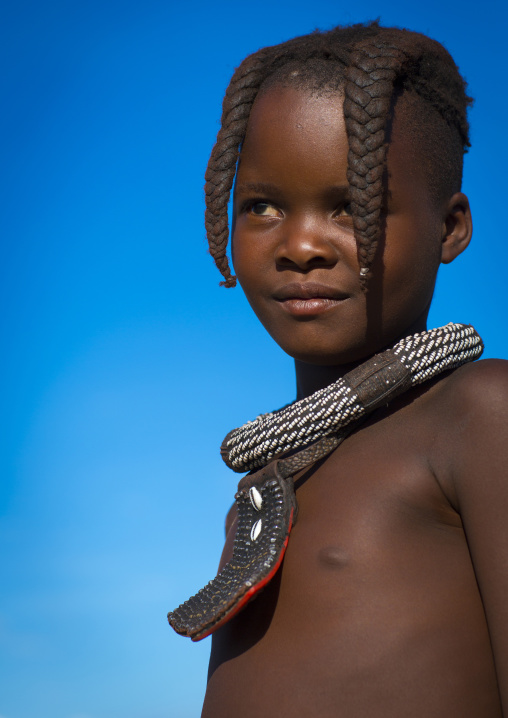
[
  {"x": 264, "y": 209},
  {"x": 344, "y": 210}
]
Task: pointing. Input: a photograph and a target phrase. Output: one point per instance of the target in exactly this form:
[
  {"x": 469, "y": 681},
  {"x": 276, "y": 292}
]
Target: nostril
[
  {"x": 306, "y": 247},
  {"x": 305, "y": 259}
]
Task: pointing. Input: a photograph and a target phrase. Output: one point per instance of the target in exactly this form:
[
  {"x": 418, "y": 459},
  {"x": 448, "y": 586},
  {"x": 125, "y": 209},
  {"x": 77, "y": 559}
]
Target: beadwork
[
  {"x": 425, "y": 354},
  {"x": 266, "y": 501}
]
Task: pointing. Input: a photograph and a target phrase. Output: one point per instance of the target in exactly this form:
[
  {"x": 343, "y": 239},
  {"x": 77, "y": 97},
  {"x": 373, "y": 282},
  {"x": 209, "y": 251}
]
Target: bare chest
[
  {"x": 376, "y": 593},
  {"x": 374, "y": 526}
]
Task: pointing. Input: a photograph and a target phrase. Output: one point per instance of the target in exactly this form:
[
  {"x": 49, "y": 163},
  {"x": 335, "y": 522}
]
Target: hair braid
[
  {"x": 221, "y": 169},
  {"x": 236, "y": 107},
  {"x": 449, "y": 100},
  {"x": 370, "y": 77}
]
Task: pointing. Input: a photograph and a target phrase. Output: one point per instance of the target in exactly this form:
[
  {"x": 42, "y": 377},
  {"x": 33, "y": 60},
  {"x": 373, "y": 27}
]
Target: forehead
[
  {"x": 301, "y": 135},
  {"x": 297, "y": 129},
  {"x": 304, "y": 110}
]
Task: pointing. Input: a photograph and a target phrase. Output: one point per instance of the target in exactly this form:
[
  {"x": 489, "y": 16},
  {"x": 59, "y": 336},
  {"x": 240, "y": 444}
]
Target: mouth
[{"x": 308, "y": 298}]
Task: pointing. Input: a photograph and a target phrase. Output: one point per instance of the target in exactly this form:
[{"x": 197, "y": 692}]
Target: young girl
[{"x": 371, "y": 529}]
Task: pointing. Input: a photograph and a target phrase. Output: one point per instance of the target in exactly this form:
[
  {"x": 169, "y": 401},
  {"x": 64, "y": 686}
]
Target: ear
[{"x": 457, "y": 227}]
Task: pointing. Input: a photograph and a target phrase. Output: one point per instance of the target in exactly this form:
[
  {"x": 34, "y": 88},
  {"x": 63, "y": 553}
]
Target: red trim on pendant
[{"x": 250, "y": 593}]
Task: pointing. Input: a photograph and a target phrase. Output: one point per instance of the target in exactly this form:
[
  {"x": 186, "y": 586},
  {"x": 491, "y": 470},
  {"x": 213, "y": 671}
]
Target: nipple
[{"x": 333, "y": 557}]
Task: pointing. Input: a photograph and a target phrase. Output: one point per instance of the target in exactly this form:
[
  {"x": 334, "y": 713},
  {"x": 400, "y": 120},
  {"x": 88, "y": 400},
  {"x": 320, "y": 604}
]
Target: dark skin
[{"x": 393, "y": 596}]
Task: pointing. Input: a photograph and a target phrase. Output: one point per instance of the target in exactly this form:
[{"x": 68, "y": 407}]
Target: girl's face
[{"x": 294, "y": 249}]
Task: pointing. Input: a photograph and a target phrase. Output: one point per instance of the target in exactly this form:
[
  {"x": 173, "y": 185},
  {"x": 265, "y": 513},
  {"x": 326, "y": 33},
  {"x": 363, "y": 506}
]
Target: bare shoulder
[
  {"x": 474, "y": 436},
  {"x": 473, "y": 379},
  {"x": 478, "y": 390},
  {"x": 471, "y": 449},
  {"x": 475, "y": 400},
  {"x": 468, "y": 414}
]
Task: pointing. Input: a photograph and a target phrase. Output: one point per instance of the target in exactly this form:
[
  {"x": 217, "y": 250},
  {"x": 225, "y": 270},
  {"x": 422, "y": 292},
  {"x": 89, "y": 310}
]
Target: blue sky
[{"x": 124, "y": 363}]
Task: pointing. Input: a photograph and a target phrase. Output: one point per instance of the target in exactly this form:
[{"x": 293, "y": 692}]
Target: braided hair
[{"x": 372, "y": 67}]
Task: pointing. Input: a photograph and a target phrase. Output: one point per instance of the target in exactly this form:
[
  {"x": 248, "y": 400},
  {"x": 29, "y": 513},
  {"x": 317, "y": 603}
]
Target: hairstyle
[{"x": 372, "y": 67}]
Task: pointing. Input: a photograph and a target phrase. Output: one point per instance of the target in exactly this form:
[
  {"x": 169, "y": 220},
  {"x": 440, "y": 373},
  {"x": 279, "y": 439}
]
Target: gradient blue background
[{"x": 123, "y": 362}]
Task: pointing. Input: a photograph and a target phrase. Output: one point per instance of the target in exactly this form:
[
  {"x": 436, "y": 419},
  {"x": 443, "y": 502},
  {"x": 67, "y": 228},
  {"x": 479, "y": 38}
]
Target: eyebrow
[
  {"x": 258, "y": 187},
  {"x": 269, "y": 188}
]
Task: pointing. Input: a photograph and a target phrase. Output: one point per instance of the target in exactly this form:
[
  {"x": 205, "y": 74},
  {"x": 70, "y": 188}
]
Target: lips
[
  {"x": 308, "y": 290},
  {"x": 308, "y": 298}
]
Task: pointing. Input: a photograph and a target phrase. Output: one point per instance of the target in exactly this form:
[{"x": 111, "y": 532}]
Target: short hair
[{"x": 373, "y": 67}]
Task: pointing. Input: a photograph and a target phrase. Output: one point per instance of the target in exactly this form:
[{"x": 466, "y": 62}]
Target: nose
[{"x": 304, "y": 246}]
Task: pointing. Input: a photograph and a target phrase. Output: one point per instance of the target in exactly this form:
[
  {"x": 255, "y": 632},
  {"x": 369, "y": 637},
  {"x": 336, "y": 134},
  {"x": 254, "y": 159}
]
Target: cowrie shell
[
  {"x": 255, "y": 498},
  {"x": 256, "y": 530}
]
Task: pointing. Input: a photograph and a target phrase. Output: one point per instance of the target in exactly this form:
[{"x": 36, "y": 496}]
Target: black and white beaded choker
[{"x": 313, "y": 426}]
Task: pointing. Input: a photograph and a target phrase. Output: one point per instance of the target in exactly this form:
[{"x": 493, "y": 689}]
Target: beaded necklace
[{"x": 314, "y": 426}]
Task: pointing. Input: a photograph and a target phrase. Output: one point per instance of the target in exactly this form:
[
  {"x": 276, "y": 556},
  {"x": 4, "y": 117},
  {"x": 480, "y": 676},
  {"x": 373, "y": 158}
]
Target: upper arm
[{"x": 478, "y": 443}]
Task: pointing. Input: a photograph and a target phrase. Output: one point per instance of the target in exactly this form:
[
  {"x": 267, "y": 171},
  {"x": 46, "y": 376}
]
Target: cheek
[
  {"x": 252, "y": 256},
  {"x": 236, "y": 253},
  {"x": 233, "y": 241},
  {"x": 248, "y": 270},
  {"x": 410, "y": 266},
  {"x": 242, "y": 263}
]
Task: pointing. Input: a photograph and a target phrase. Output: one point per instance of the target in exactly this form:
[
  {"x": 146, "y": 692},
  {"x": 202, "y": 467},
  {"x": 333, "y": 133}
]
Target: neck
[
  {"x": 312, "y": 377},
  {"x": 417, "y": 358}
]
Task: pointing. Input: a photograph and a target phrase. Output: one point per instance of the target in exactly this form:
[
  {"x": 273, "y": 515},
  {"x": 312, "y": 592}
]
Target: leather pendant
[
  {"x": 315, "y": 426},
  {"x": 267, "y": 508}
]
